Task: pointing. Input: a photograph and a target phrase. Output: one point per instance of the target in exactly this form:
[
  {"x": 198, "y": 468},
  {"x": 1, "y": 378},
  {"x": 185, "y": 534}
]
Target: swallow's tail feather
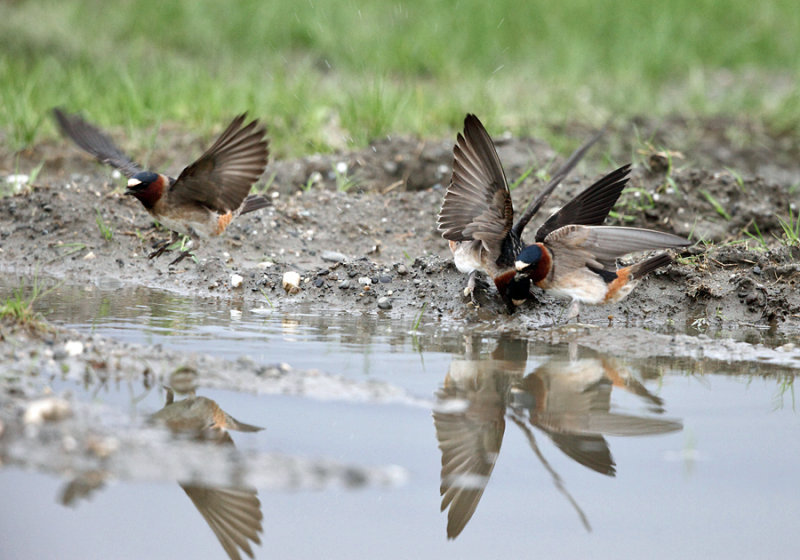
[
  {"x": 254, "y": 202},
  {"x": 647, "y": 266},
  {"x": 555, "y": 180},
  {"x": 233, "y": 424}
]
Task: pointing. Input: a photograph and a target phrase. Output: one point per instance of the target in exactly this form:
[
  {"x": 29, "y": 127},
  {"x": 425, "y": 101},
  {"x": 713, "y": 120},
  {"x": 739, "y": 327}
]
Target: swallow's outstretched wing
[
  {"x": 555, "y": 180},
  {"x": 221, "y": 178},
  {"x": 599, "y": 247},
  {"x": 477, "y": 205},
  {"x": 591, "y": 207},
  {"x": 95, "y": 142}
]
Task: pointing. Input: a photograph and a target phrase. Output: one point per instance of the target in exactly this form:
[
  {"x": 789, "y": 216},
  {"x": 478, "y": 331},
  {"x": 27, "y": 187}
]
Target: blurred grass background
[{"x": 330, "y": 75}]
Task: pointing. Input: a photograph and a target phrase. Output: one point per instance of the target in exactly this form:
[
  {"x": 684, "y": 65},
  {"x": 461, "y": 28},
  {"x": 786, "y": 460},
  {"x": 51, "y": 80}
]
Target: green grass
[
  {"x": 331, "y": 75},
  {"x": 19, "y": 306},
  {"x": 716, "y": 204},
  {"x": 105, "y": 230},
  {"x": 791, "y": 229}
]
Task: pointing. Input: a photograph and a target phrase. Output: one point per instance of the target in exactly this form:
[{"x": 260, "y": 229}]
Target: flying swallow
[
  {"x": 477, "y": 215},
  {"x": 232, "y": 513},
  {"x": 206, "y": 196}
]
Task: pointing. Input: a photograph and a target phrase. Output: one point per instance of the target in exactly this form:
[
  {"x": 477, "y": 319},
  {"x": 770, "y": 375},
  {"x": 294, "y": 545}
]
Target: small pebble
[
  {"x": 402, "y": 270},
  {"x": 757, "y": 270},
  {"x": 365, "y": 281},
  {"x": 318, "y": 282},
  {"x": 291, "y": 282},
  {"x": 384, "y": 303},
  {"x": 384, "y": 278},
  {"x": 236, "y": 280},
  {"x": 19, "y": 180},
  {"x": 73, "y": 347},
  {"x": 89, "y": 256},
  {"x": 49, "y": 409},
  {"x": 264, "y": 265},
  {"x": 344, "y": 285},
  {"x": 333, "y": 256}
]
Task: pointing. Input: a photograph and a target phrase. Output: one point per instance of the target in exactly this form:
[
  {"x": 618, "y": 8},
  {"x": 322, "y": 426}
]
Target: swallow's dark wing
[
  {"x": 555, "y": 180},
  {"x": 600, "y": 246},
  {"x": 221, "y": 178},
  {"x": 91, "y": 139},
  {"x": 233, "y": 514},
  {"x": 477, "y": 205},
  {"x": 591, "y": 207}
]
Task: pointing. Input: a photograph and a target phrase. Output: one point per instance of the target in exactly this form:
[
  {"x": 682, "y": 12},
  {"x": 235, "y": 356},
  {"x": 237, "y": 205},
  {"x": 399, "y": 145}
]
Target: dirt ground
[{"x": 375, "y": 219}]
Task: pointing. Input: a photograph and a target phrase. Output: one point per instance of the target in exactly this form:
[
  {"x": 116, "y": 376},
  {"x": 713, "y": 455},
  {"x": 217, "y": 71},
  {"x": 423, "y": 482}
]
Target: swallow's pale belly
[{"x": 466, "y": 255}]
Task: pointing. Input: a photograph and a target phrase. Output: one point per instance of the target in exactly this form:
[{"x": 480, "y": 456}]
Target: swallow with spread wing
[
  {"x": 206, "y": 196},
  {"x": 477, "y": 171},
  {"x": 580, "y": 262},
  {"x": 477, "y": 214}
]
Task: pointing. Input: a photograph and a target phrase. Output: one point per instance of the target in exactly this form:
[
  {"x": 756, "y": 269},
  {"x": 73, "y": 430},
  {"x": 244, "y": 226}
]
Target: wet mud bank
[{"x": 359, "y": 229}]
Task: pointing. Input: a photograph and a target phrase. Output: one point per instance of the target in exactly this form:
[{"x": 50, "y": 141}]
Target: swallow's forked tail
[
  {"x": 254, "y": 202},
  {"x": 647, "y": 266}
]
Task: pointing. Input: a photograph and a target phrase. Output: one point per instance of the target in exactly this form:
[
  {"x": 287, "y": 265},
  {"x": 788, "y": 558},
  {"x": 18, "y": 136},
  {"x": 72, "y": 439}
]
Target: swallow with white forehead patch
[
  {"x": 206, "y": 196},
  {"x": 580, "y": 261},
  {"x": 477, "y": 215}
]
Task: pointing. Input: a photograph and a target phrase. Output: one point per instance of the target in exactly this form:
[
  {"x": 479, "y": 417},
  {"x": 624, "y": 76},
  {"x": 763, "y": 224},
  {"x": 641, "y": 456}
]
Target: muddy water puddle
[{"x": 499, "y": 446}]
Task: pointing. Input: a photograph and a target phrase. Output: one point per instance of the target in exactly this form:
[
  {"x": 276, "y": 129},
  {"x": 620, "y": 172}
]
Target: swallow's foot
[
  {"x": 573, "y": 310},
  {"x": 568, "y": 313},
  {"x": 472, "y": 283},
  {"x": 182, "y": 255},
  {"x": 160, "y": 251},
  {"x": 163, "y": 246}
]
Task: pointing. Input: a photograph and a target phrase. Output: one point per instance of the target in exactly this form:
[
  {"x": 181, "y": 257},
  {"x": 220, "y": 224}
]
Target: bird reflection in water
[
  {"x": 232, "y": 513},
  {"x": 567, "y": 398}
]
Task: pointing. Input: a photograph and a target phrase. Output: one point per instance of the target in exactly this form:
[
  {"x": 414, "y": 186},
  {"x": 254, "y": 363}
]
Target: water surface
[{"x": 540, "y": 450}]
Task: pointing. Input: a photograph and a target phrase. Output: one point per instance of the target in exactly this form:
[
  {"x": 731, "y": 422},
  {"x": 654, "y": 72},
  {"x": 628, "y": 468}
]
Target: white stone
[
  {"x": 291, "y": 282},
  {"x": 73, "y": 347},
  {"x": 46, "y": 410}
]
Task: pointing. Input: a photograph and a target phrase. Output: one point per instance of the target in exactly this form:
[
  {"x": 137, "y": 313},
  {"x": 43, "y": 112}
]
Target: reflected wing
[
  {"x": 469, "y": 448},
  {"x": 477, "y": 205},
  {"x": 233, "y": 514},
  {"x": 591, "y": 207},
  {"x": 591, "y": 451},
  {"x": 469, "y": 424},
  {"x": 222, "y": 177},
  {"x": 91, "y": 139}
]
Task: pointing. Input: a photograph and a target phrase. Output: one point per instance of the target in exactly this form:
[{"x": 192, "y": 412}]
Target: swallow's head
[
  {"x": 513, "y": 288},
  {"x": 147, "y": 187},
  {"x": 528, "y": 258},
  {"x": 518, "y": 290}
]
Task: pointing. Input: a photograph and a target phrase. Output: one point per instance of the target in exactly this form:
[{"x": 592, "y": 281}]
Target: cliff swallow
[
  {"x": 206, "y": 196},
  {"x": 477, "y": 215},
  {"x": 579, "y": 261},
  {"x": 232, "y": 513}
]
